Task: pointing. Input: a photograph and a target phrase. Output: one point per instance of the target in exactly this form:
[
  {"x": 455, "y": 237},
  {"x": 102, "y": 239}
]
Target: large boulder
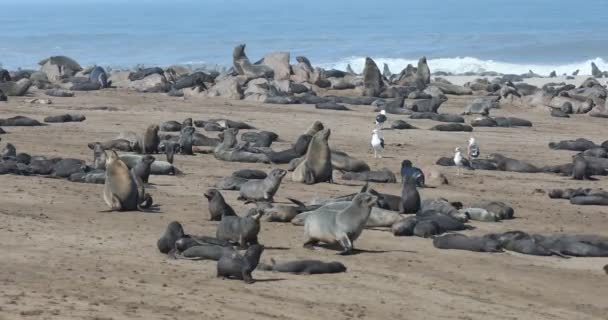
[
  {"x": 372, "y": 79},
  {"x": 59, "y": 67},
  {"x": 120, "y": 79},
  {"x": 12, "y": 88},
  {"x": 228, "y": 88},
  {"x": 152, "y": 83},
  {"x": 279, "y": 63}
]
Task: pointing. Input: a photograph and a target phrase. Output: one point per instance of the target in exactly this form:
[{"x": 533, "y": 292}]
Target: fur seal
[
  {"x": 150, "y": 140},
  {"x": 228, "y": 150},
  {"x": 341, "y": 228},
  {"x": 171, "y": 147},
  {"x": 233, "y": 265},
  {"x": 316, "y": 166},
  {"x": 280, "y": 213},
  {"x": 508, "y": 164},
  {"x": 410, "y": 198},
  {"x": 405, "y": 227},
  {"x": 218, "y": 208},
  {"x": 142, "y": 168},
  {"x": 202, "y": 251},
  {"x": 157, "y": 167},
  {"x": 98, "y": 75},
  {"x": 173, "y": 232},
  {"x": 241, "y": 230},
  {"x": 122, "y": 189},
  {"x": 304, "y": 267},
  {"x": 243, "y": 66},
  {"x": 250, "y": 174},
  {"x": 258, "y": 190},
  {"x": 579, "y": 168},
  {"x": 381, "y": 176},
  {"x": 186, "y": 140},
  {"x": 480, "y": 214},
  {"x": 19, "y": 121},
  {"x": 230, "y": 183},
  {"x": 452, "y": 127},
  {"x": 461, "y": 242},
  {"x": 342, "y": 161},
  {"x": 170, "y": 126}
]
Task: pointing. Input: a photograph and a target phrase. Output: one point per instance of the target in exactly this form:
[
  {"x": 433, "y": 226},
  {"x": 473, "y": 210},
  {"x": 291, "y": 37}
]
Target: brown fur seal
[
  {"x": 142, "y": 168},
  {"x": 410, "y": 198},
  {"x": 579, "y": 169},
  {"x": 218, "y": 207},
  {"x": 258, "y": 190},
  {"x": 234, "y": 266},
  {"x": 174, "y": 232},
  {"x": 150, "y": 140},
  {"x": 241, "y": 230},
  {"x": 316, "y": 166},
  {"x": 122, "y": 189},
  {"x": 341, "y": 228},
  {"x": 304, "y": 267}
]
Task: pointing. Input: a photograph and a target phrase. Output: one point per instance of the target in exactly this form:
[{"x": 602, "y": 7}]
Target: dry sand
[{"x": 64, "y": 259}]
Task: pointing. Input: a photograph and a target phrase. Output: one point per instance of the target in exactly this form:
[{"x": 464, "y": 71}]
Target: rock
[
  {"x": 372, "y": 79},
  {"x": 59, "y": 67},
  {"x": 279, "y": 63},
  {"x": 228, "y": 88},
  {"x": 152, "y": 83},
  {"x": 19, "y": 88}
]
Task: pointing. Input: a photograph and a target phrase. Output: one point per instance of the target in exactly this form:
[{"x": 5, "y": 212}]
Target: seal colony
[{"x": 322, "y": 197}]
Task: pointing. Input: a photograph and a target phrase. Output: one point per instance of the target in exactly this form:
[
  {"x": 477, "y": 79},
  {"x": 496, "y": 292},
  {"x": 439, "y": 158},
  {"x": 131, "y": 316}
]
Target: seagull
[
  {"x": 377, "y": 143},
  {"x": 460, "y": 161},
  {"x": 473, "y": 149},
  {"x": 408, "y": 170},
  {"x": 381, "y": 119}
]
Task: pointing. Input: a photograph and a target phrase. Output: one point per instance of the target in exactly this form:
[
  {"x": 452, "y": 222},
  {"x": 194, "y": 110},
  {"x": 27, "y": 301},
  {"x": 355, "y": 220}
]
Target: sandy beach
[{"x": 64, "y": 259}]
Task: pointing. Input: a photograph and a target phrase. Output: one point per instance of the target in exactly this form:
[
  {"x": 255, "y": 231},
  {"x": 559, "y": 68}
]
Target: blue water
[{"x": 456, "y": 36}]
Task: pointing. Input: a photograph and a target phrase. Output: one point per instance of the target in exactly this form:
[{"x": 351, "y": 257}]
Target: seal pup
[
  {"x": 316, "y": 166},
  {"x": 377, "y": 143},
  {"x": 241, "y": 230},
  {"x": 341, "y": 228},
  {"x": 150, "y": 140},
  {"x": 408, "y": 170},
  {"x": 143, "y": 168},
  {"x": 304, "y": 267},
  {"x": 171, "y": 147},
  {"x": 473, "y": 148},
  {"x": 218, "y": 208},
  {"x": 579, "y": 168},
  {"x": 234, "y": 266},
  {"x": 410, "y": 198},
  {"x": 462, "y": 242},
  {"x": 173, "y": 232},
  {"x": 123, "y": 190},
  {"x": 258, "y": 190},
  {"x": 8, "y": 151},
  {"x": 186, "y": 140}
]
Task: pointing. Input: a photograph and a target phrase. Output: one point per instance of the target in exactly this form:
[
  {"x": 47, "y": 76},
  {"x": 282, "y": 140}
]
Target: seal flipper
[{"x": 309, "y": 176}]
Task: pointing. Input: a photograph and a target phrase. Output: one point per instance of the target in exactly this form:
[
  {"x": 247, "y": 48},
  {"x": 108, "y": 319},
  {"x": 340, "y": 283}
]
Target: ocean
[{"x": 456, "y": 36}]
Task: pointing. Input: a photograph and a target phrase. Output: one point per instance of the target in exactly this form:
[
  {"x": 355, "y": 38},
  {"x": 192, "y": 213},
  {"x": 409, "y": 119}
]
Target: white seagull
[
  {"x": 473, "y": 149},
  {"x": 460, "y": 161},
  {"x": 381, "y": 119},
  {"x": 377, "y": 143}
]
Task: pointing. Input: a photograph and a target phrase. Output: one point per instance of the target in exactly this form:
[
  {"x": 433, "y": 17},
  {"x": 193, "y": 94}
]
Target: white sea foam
[{"x": 461, "y": 65}]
